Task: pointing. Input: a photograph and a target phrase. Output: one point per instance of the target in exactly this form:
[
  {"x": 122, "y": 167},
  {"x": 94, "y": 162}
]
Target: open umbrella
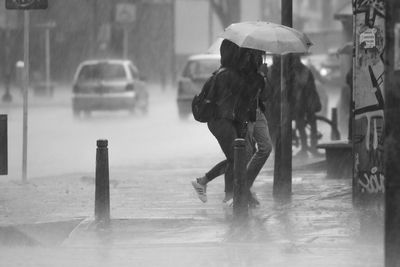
[
  {"x": 266, "y": 36},
  {"x": 273, "y": 39}
]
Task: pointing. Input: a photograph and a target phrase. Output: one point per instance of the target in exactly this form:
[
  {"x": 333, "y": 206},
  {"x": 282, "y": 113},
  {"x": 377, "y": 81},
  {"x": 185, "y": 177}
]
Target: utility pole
[
  {"x": 210, "y": 24},
  {"x": 47, "y": 45},
  {"x": 282, "y": 187},
  {"x": 125, "y": 14},
  {"x": 392, "y": 134},
  {"x": 25, "y": 6},
  {"x": 7, "y": 69},
  {"x": 94, "y": 31},
  {"x": 47, "y": 28},
  {"x": 25, "y": 97}
]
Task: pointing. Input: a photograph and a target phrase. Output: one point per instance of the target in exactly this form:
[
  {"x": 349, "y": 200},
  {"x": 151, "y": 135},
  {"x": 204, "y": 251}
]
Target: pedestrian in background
[
  {"x": 305, "y": 103},
  {"x": 303, "y": 100}
]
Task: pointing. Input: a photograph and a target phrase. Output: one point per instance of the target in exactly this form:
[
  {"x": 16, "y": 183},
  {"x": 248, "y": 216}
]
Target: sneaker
[
  {"x": 229, "y": 203},
  {"x": 227, "y": 198},
  {"x": 315, "y": 153},
  {"x": 201, "y": 191},
  {"x": 302, "y": 154},
  {"x": 253, "y": 200}
]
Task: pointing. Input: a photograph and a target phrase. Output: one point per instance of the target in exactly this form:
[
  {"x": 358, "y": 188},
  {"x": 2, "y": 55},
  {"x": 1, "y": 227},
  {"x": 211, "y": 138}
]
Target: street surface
[{"x": 157, "y": 220}]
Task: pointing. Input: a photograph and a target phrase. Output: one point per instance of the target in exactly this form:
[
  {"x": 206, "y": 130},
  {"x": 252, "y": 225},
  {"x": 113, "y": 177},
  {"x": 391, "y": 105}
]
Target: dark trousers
[
  {"x": 257, "y": 135},
  {"x": 226, "y": 131},
  {"x": 301, "y": 124}
]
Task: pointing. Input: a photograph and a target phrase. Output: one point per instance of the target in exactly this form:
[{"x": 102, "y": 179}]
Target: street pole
[
  {"x": 210, "y": 24},
  {"x": 240, "y": 189},
  {"x": 282, "y": 186},
  {"x": 102, "y": 190},
  {"x": 126, "y": 38},
  {"x": 392, "y": 134},
  {"x": 25, "y": 97},
  {"x": 47, "y": 30},
  {"x": 7, "y": 71},
  {"x": 262, "y": 9},
  {"x": 48, "y": 60}
]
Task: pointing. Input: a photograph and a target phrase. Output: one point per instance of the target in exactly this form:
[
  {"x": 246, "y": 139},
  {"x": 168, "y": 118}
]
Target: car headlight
[{"x": 323, "y": 72}]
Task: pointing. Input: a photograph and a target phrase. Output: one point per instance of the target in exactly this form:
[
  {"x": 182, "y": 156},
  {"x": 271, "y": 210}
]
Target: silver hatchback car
[
  {"x": 108, "y": 85},
  {"x": 197, "y": 70}
]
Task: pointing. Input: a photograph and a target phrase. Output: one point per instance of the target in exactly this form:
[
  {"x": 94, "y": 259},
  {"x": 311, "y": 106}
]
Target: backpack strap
[{"x": 220, "y": 70}]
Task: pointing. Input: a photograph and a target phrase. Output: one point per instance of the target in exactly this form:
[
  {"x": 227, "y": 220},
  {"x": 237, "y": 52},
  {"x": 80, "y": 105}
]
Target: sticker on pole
[
  {"x": 26, "y": 4},
  {"x": 367, "y": 38}
]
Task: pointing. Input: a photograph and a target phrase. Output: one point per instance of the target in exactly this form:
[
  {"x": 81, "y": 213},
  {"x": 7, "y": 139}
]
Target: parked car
[
  {"x": 108, "y": 84},
  {"x": 197, "y": 70}
]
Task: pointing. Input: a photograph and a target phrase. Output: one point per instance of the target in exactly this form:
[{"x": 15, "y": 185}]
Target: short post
[
  {"x": 240, "y": 190},
  {"x": 3, "y": 145},
  {"x": 335, "y": 135},
  {"x": 102, "y": 192}
]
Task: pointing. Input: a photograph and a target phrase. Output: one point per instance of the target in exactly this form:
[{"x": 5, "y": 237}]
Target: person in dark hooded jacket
[
  {"x": 304, "y": 101},
  {"x": 225, "y": 126},
  {"x": 240, "y": 88}
]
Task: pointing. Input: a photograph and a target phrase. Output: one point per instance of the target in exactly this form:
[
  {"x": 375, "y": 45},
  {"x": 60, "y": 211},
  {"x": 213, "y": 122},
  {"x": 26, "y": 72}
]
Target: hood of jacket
[{"x": 229, "y": 54}]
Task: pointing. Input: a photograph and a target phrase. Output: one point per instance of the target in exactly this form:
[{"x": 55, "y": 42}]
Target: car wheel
[
  {"x": 145, "y": 107},
  {"x": 87, "y": 113},
  {"x": 131, "y": 110},
  {"x": 76, "y": 113}
]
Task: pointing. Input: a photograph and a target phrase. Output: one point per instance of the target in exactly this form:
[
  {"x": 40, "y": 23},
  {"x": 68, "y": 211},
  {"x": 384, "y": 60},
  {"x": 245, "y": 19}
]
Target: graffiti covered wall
[{"x": 368, "y": 65}]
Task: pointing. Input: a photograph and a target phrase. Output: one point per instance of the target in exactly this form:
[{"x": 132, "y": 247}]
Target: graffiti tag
[{"x": 373, "y": 182}]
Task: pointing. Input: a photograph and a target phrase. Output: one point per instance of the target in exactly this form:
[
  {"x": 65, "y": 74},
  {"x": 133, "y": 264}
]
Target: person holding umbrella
[
  {"x": 257, "y": 35},
  {"x": 229, "y": 122},
  {"x": 249, "y": 110}
]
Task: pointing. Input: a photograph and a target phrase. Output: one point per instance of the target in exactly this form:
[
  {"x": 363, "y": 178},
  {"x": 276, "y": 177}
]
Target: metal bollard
[
  {"x": 240, "y": 190},
  {"x": 102, "y": 191},
  {"x": 335, "y": 135},
  {"x": 3, "y": 145}
]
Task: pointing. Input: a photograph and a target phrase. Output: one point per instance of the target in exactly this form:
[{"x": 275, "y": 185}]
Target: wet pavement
[
  {"x": 157, "y": 220},
  {"x": 156, "y": 217}
]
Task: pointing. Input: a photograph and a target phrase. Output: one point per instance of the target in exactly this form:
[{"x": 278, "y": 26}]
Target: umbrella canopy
[{"x": 266, "y": 36}]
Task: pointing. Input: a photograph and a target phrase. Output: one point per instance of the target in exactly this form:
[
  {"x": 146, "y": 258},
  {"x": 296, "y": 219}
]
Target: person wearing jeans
[
  {"x": 258, "y": 133},
  {"x": 233, "y": 115}
]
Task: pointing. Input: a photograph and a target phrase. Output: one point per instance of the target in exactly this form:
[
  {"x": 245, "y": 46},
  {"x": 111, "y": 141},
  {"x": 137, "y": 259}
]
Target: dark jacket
[
  {"x": 237, "y": 87},
  {"x": 252, "y": 96},
  {"x": 305, "y": 100}
]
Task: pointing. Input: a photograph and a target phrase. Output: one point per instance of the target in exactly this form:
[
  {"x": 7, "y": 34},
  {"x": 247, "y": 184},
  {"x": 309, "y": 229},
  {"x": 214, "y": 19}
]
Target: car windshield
[
  {"x": 201, "y": 68},
  {"x": 102, "y": 71}
]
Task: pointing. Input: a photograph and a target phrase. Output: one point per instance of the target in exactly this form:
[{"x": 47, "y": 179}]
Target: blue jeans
[{"x": 258, "y": 134}]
